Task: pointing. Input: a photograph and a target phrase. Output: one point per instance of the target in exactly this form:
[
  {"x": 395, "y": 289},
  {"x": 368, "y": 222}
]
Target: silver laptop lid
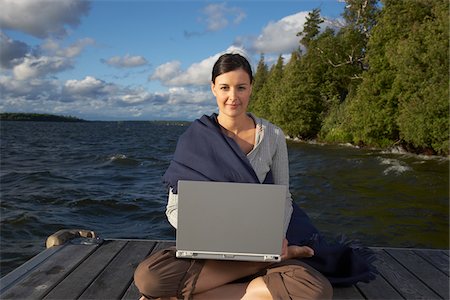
[{"x": 234, "y": 221}]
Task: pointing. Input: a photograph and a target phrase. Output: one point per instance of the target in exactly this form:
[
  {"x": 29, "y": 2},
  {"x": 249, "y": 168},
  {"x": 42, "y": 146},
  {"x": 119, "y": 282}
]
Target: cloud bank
[{"x": 42, "y": 19}]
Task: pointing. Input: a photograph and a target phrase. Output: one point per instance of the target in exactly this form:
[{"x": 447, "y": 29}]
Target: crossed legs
[{"x": 163, "y": 275}]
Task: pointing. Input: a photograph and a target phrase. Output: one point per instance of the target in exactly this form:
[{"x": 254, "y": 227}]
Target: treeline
[
  {"x": 37, "y": 117},
  {"x": 380, "y": 80}
]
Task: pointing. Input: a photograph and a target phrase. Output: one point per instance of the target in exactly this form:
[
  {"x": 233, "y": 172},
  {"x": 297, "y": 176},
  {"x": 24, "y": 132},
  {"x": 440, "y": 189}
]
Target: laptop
[{"x": 230, "y": 221}]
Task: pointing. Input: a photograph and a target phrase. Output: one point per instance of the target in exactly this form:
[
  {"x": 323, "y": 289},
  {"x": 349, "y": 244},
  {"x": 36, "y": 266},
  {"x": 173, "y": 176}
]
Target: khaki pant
[{"x": 164, "y": 275}]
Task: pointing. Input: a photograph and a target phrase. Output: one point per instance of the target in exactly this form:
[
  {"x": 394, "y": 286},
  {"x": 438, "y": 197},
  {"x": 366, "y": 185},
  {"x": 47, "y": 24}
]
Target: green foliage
[
  {"x": 423, "y": 78},
  {"x": 297, "y": 107},
  {"x": 259, "y": 80},
  {"x": 265, "y": 97},
  {"x": 399, "y": 98},
  {"x": 380, "y": 80}
]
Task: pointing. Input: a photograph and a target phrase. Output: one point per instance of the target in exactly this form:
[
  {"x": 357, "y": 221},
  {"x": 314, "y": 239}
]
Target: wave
[
  {"x": 123, "y": 160},
  {"x": 394, "y": 166},
  {"x": 33, "y": 177}
]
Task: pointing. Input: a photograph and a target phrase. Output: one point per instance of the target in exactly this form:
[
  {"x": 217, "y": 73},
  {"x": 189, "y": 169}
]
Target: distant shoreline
[
  {"x": 34, "y": 117},
  {"x": 38, "y": 117}
]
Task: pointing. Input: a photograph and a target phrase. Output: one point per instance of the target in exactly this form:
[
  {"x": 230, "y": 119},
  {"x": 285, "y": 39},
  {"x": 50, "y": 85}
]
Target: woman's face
[{"x": 232, "y": 91}]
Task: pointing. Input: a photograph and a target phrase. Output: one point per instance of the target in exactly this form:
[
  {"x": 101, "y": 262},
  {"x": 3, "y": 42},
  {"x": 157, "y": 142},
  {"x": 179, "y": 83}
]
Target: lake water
[{"x": 106, "y": 177}]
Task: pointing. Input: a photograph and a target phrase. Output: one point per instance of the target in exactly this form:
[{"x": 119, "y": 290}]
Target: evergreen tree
[
  {"x": 422, "y": 82},
  {"x": 260, "y": 78},
  {"x": 268, "y": 93},
  {"x": 311, "y": 28},
  {"x": 345, "y": 53},
  {"x": 262, "y": 72},
  {"x": 381, "y": 79},
  {"x": 298, "y": 106},
  {"x": 373, "y": 112}
]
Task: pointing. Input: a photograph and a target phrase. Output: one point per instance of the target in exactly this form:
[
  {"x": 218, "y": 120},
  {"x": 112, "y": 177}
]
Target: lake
[{"x": 106, "y": 177}]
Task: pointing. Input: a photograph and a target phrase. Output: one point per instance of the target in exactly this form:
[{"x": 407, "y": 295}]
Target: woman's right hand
[{"x": 294, "y": 251}]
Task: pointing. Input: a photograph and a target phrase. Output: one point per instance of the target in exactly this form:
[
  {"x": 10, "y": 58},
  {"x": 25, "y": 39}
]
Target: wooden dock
[{"x": 81, "y": 269}]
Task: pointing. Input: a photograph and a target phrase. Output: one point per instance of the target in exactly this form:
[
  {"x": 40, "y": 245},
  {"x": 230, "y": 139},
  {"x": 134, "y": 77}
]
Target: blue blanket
[{"x": 204, "y": 153}]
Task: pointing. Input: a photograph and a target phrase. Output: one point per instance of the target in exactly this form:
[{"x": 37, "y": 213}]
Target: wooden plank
[
  {"x": 163, "y": 245},
  {"x": 76, "y": 282},
  {"x": 17, "y": 274},
  {"x": 379, "y": 288},
  {"x": 345, "y": 293},
  {"x": 113, "y": 282},
  {"x": 49, "y": 273},
  {"x": 132, "y": 292},
  {"x": 401, "y": 279},
  {"x": 438, "y": 258},
  {"x": 106, "y": 272},
  {"x": 426, "y": 272}
]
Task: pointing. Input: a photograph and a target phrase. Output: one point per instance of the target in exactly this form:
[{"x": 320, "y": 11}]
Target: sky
[{"x": 138, "y": 59}]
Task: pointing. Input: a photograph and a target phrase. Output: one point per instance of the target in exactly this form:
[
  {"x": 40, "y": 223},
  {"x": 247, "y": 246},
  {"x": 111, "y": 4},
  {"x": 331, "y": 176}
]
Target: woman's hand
[{"x": 293, "y": 251}]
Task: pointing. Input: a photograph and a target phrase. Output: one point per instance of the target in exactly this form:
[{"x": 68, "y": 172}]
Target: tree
[
  {"x": 298, "y": 106},
  {"x": 268, "y": 93},
  {"x": 335, "y": 62},
  {"x": 360, "y": 15},
  {"x": 373, "y": 112},
  {"x": 422, "y": 81},
  {"x": 260, "y": 78},
  {"x": 311, "y": 27}
]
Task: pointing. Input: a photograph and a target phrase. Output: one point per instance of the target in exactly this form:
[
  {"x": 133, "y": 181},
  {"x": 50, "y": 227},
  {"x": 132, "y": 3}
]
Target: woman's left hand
[{"x": 293, "y": 251}]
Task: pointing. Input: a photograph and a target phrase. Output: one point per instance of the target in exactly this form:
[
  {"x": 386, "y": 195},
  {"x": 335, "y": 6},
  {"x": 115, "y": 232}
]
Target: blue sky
[{"x": 136, "y": 60}]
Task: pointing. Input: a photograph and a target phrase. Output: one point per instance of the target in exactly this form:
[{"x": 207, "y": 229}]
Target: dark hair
[{"x": 229, "y": 62}]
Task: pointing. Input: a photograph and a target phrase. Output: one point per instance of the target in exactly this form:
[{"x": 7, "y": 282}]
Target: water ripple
[{"x": 106, "y": 177}]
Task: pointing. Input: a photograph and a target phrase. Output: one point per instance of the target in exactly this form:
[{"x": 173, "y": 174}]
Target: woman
[{"x": 235, "y": 146}]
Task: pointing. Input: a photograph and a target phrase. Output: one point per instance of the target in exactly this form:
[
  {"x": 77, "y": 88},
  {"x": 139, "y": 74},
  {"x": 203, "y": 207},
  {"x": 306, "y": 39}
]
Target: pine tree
[
  {"x": 260, "y": 78},
  {"x": 311, "y": 27},
  {"x": 298, "y": 106},
  {"x": 268, "y": 93}
]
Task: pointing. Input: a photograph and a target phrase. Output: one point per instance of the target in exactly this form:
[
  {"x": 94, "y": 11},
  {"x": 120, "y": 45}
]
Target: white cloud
[
  {"x": 197, "y": 74},
  {"x": 219, "y": 16},
  {"x": 127, "y": 61},
  {"x": 42, "y": 19},
  {"x": 32, "y": 89},
  {"x": 170, "y": 74},
  {"x": 88, "y": 88},
  {"x": 33, "y": 67},
  {"x": 281, "y": 36},
  {"x": 53, "y": 47},
  {"x": 138, "y": 96},
  {"x": 182, "y": 95},
  {"x": 167, "y": 71}
]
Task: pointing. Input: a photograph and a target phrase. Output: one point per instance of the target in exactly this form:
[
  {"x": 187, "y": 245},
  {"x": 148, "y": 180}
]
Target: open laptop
[{"x": 230, "y": 221}]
